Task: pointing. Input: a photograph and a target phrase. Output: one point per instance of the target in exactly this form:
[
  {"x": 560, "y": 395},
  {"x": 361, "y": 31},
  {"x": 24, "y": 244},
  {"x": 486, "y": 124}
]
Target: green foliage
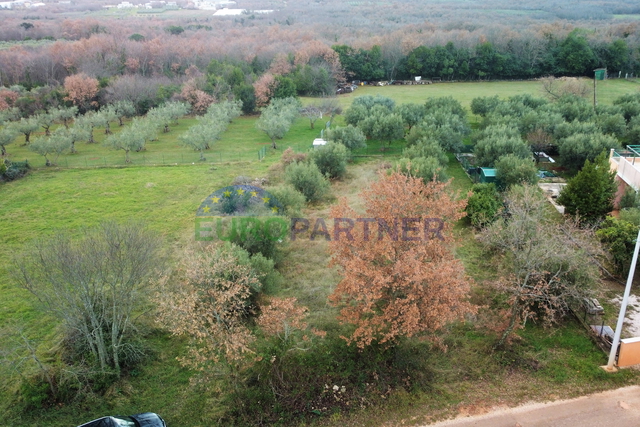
[
  {"x": 285, "y": 88},
  {"x": 631, "y": 215},
  {"x": 331, "y": 160},
  {"x": 498, "y": 141},
  {"x": 313, "y": 81},
  {"x": 349, "y": 136},
  {"x": 484, "y": 205},
  {"x": 539, "y": 120},
  {"x": 427, "y": 168},
  {"x": 629, "y": 199},
  {"x": 307, "y": 179},
  {"x": 13, "y": 170},
  {"x": 129, "y": 139},
  {"x": 256, "y": 241},
  {"x": 448, "y": 133},
  {"x": 290, "y": 386},
  {"x": 174, "y": 30},
  {"x": 385, "y": 128},
  {"x": 7, "y": 136},
  {"x": 136, "y": 37},
  {"x": 355, "y": 114},
  {"x": 247, "y": 94},
  {"x": 629, "y": 104},
  {"x": 54, "y": 145},
  {"x": 577, "y": 148},
  {"x": 575, "y": 56},
  {"x": 513, "y": 170},
  {"x": 589, "y": 194},
  {"x": 277, "y": 118},
  {"x": 633, "y": 131},
  {"x": 574, "y": 108},
  {"x": 445, "y": 104},
  {"x": 369, "y": 101},
  {"x": 411, "y": 114},
  {"x": 482, "y": 106},
  {"x": 291, "y": 199},
  {"x": 426, "y": 148},
  {"x": 619, "y": 236},
  {"x": 612, "y": 124}
]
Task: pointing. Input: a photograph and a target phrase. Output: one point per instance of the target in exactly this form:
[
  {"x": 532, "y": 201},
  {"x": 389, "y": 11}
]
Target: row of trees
[{"x": 211, "y": 126}]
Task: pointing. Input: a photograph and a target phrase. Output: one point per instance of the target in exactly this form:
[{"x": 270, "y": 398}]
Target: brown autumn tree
[
  {"x": 195, "y": 96},
  {"x": 264, "y": 88},
  {"x": 81, "y": 90},
  {"x": 209, "y": 304},
  {"x": 7, "y": 98},
  {"x": 401, "y": 277}
]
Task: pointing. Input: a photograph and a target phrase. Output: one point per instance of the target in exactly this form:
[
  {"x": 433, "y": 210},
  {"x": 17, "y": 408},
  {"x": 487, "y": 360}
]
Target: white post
[{"x": 623, "y": 308}]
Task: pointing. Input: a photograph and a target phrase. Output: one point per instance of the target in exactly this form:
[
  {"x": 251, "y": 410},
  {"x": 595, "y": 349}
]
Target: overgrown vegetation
[{"x": 272, "y": 342}]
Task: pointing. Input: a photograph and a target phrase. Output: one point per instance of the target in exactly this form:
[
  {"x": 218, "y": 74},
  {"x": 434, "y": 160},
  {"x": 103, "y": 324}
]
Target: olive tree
[
  {"x": 7, "y": 136},
  {"x": 201, "y": 136},
  {"x": 130, "y": 139},
  {"x": 349, "y": 136},
  {"x": 277, "y": 118},
  {"x": 53, "y": 145}
]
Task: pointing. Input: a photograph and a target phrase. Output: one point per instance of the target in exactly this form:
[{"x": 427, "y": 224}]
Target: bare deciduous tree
[
  {"x": 94, "y": 285},
  {"x": 556, "y": 88},
  {"x": 548, "y": 263}
]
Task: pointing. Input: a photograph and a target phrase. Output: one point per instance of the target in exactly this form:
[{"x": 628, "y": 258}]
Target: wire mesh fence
[{"x": 150, "y": 158}]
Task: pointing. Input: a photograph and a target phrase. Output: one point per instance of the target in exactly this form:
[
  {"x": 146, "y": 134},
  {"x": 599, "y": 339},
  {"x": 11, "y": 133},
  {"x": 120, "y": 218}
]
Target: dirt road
[{"x": 614, "y": 408}]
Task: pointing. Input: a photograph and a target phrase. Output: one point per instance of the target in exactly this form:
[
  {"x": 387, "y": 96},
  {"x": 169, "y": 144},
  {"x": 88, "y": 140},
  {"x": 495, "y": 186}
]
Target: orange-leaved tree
[
  {"x": 81, "y": 90},
  {"x": 210, "y": 304},
  {"x": 400, "y": 276}
]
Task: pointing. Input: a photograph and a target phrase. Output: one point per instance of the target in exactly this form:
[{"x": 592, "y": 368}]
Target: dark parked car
[{"x": 147, "y": 419}]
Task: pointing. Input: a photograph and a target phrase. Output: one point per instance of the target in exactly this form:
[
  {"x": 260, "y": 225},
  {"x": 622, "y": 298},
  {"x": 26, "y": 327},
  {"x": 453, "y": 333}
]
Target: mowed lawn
[{"x": 465, "y": 92}]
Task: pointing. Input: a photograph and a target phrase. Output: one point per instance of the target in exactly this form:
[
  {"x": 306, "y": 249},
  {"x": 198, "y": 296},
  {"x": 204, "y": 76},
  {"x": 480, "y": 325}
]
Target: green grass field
[
  {"x": 240, "y": 143},
  {"x": 166, "y": 198}
]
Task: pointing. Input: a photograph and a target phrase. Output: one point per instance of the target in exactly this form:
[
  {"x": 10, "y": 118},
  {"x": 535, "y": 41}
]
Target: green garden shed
[{"x": 487, "y": 175}]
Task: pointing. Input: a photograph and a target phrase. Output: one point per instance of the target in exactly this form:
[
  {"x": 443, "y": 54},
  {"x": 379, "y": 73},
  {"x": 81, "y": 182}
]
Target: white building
[
  {"x": 126, "y": 5},
  {"x": 229, "y": 12},
  {"x": 12, "y": 4}
]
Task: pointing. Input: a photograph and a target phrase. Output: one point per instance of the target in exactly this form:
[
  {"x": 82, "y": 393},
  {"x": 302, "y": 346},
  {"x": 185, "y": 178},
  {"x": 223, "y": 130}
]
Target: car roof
[{"x": 145, "y": 419}]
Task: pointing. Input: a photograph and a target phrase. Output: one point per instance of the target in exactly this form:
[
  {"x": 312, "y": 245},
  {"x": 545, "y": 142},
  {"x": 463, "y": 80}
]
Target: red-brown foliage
[
  {"x": 81, "y": 89},
  {"x": 7, "y": 98},
  {"x": 400, "y": 287}
]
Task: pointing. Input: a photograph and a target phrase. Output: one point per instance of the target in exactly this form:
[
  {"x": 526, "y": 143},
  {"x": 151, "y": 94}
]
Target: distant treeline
[{"x": 573, "y": 55}]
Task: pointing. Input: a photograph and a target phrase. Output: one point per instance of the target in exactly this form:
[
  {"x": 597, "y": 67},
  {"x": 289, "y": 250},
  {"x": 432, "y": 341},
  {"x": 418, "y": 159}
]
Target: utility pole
[
  {"x": 598, "y": 74},
  {"x": 623, "y": 308}
]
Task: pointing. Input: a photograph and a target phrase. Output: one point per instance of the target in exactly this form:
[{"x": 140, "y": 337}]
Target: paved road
[{"x": 615, "y": 408}]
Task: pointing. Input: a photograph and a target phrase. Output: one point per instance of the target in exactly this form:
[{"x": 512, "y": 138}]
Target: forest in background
[{"x": 382, "y": 41}]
